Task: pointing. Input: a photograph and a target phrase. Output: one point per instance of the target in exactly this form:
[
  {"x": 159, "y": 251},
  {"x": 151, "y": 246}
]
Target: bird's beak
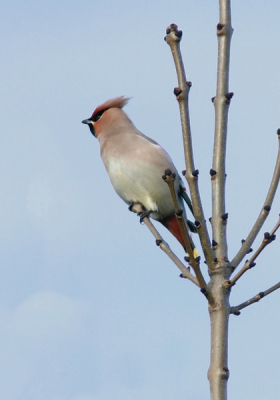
[{"x": 89, "y": 122}]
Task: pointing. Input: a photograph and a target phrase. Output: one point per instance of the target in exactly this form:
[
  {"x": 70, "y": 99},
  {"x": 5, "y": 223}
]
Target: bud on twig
[
  {"x": 197, "y": 224},
  {"x": 266, "y": 235},
  {"x": 224, "y": 218},
  {"x": 213, "y": 174},
  {"x": 220, "y": 26},
  {"x": 177, "y": 91},
  {"x": 214, "y": 244},
  {"x": 228, "y": 97},
  {"x": 179, "y": 212}
]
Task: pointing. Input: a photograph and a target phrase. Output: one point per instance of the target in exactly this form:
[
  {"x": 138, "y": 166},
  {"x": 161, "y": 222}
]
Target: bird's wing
[
  {"x": 183, "y": 194},
  {"x": 146, "y": 137}
]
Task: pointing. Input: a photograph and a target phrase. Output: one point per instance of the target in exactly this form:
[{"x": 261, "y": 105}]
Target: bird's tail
[{"x": 172, "y": 225}]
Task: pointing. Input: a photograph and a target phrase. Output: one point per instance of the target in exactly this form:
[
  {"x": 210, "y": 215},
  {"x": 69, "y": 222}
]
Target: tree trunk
[{"x": 218, "y": 372}]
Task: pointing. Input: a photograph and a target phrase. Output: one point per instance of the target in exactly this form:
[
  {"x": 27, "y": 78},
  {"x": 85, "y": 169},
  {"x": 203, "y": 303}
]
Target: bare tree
[{"x": 217, "y": 290}]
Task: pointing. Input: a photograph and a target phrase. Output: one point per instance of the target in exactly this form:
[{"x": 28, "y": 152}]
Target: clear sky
[{"x": 90, "y": 308}]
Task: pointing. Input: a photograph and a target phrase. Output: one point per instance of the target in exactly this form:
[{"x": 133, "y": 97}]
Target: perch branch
[
  {"x": 169, "y": 178},
  {"x": 263, "y": 214},
  {"x": 268, "y": 238},
  {"x": 173, "y": 37},
  {"x": 236, "y": 309},
  {"x": 185, "y": 272}
]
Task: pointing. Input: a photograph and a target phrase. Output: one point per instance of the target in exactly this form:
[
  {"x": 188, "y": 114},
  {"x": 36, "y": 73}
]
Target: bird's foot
[
  {"x": 143, "y": 214},
  {"x": 136, "y": 207},
  {"x": 140, "y": 210}
]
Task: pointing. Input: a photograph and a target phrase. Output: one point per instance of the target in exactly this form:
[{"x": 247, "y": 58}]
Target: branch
[
  {"x": 138, "y": 208},
  {"x": 218, "y": 372},
  {"x": 236, "y": 309},
  {"x": 173, "y": 38},
  {"x": 264, "y": 211},
  {"x": 268, "y": 238},
  {"x": 169, "y": 178},
  {"x": 221, "y": 102}
]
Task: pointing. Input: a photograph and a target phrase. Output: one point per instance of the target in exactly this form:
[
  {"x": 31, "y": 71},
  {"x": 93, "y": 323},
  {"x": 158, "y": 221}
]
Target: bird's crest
[{"x": 117, "y": 102}]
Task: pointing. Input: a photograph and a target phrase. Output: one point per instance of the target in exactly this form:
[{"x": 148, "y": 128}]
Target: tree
[{"x": 223, "y": 272}]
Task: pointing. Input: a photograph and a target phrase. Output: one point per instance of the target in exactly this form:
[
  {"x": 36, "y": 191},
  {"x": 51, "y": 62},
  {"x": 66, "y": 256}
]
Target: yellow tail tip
[{"x": 195, "y": 254}]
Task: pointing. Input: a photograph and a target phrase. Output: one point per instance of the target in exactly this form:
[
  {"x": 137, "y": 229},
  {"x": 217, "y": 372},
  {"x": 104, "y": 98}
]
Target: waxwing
[{"x": 135, "y": 165}]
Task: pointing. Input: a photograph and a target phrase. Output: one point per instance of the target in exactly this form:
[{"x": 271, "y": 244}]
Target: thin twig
[
  {"x": 236, "y": 309},
  {"x": 138, "y": 208},
  {"x": 173, "y": 38},
  {"x": 169, "y": 178},
  {"x": 263, "y": 214},
  {"x": 268, "y": 238}
]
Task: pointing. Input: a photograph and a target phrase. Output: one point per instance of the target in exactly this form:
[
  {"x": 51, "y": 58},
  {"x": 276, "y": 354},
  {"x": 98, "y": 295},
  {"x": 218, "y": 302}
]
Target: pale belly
[{"x": 142, "y": 184}]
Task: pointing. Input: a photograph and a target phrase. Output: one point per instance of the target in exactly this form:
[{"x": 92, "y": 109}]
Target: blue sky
[{"x": 90, "y": 307}]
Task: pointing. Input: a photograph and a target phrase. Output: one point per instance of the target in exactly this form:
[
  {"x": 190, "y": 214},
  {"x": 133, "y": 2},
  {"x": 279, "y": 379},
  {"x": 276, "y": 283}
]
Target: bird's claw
[
  {"x": 143, "y": 214},
  {"x": 140, "y": 210},
  {"x": 136, "y": 207},
  {"x": 130, "y": 207}
]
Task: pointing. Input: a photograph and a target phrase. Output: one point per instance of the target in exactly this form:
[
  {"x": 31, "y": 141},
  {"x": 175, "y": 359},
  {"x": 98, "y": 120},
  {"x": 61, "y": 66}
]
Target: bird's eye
[{"x": 98, "y": 115}]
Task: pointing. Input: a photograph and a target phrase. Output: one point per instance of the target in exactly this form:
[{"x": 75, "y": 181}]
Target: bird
[{"x": 135, "y": 164}]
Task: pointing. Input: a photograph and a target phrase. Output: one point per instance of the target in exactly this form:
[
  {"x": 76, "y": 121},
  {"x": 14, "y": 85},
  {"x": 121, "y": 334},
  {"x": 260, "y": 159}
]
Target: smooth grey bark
[
  {"x": 216, "y": 254},
  {"x": 218, "y": 372}
]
